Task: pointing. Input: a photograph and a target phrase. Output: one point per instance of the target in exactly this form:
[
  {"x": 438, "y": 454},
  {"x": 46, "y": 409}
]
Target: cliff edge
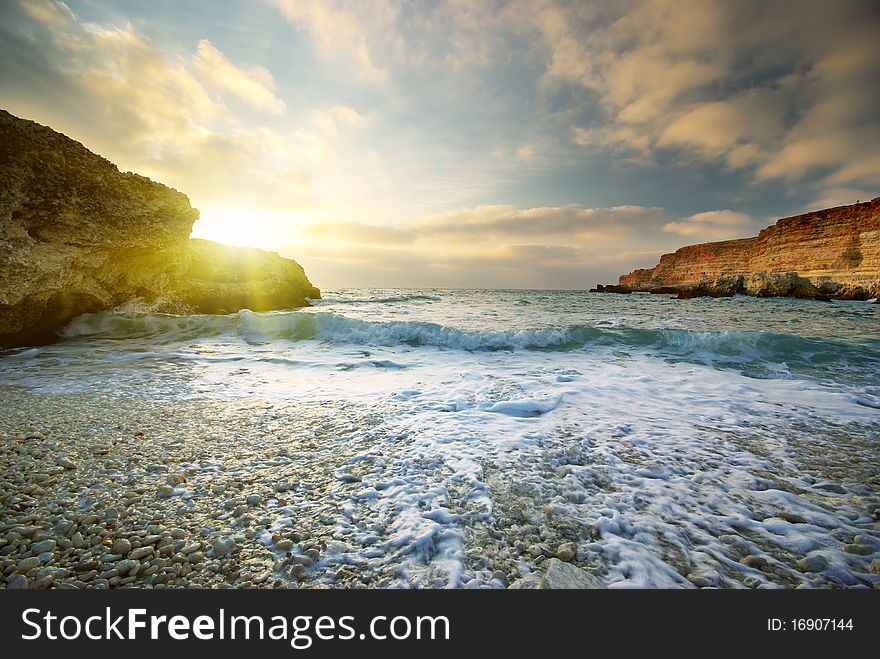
[
  {"x": 78, "y": 236},
  {"x": 832, "y": 253}
]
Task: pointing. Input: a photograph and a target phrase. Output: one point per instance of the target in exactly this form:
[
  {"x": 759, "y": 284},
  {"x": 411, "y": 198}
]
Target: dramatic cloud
[
  {"x": 506, "y": 142},
  {"x": 116, "y": 91},
  {"x": 783, "y": 92},
  {"x": 786, "y": 89}
]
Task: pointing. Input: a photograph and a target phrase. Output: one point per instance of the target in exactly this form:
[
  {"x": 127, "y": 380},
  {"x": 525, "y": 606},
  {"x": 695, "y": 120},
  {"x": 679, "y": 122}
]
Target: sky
[{"x": 476, "y": 144}]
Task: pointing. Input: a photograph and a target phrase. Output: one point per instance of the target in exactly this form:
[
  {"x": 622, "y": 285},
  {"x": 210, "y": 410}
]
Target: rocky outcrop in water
[
  {"x": 832, "y": 253},
  {"x": 77, "y": 236}
]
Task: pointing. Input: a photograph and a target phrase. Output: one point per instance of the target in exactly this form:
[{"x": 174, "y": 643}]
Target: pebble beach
[
  {"x": 98, "y": 494},
  {"x": 318, "y": 450}
]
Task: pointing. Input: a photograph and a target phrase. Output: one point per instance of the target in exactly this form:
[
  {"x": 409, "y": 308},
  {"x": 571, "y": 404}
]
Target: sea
[{"x": 676, "y": 443}]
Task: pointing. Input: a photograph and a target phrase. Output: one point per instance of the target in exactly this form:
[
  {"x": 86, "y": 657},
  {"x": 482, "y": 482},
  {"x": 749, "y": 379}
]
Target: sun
[{"x": 242, "y": 227}]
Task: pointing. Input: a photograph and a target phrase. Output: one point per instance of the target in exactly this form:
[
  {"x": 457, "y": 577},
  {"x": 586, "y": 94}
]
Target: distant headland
[
  {"x": 77, "y": 236},
  {"x": 827, "y": 254}
]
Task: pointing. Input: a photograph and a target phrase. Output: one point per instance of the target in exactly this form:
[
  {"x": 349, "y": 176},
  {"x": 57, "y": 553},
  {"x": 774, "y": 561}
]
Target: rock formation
[
  {"x": 832, "y": 253},
  {"x": 77, "y": 236}
]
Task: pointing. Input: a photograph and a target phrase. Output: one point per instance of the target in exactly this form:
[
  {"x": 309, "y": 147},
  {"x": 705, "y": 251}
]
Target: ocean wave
[
  {"x": 406, "y": 297},
  {"x": 328, "y": 327},
  {"x": 321, "y": 326}
]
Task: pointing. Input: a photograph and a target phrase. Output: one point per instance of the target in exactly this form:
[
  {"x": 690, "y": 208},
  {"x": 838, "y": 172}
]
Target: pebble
[
  {"x": 284, "y": 545},
  {"x": 753, "y": 582},
  {"x": 337, "y": 547},
  {"x": 703, "y": 579},
  {"x": 140, "y": 552},
  {"x": 860, "y": 550},
  {"x": 18, "y": 582},
  {"x": 834, "y": 488},
  {"x": 63, "y": 527},
  {"x": 126, "y": 565},
  {"x": 566, "y": 551},
  {"x": 223, "y": 545},
  {"x": 815, "y": 563},
  {"x": 44, "y": 546},
  {"x": 164, "y": 491},
  {"x": 175, "y": 479},
  {"x": 755, "y": 562},
  {"x": 565, "y": 576},
  {"x": 121, "y": 546},
  {"x": 65, "y": 462},
  {"x": 27, "y": 564},
  {"x": 792, "y": 518},
  {"x": 78, "y": 540},
  {"x": 253, "y": 500}
]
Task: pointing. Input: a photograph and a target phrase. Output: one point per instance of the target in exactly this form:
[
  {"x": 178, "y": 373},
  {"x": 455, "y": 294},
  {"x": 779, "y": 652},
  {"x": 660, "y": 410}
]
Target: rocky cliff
[
  {"x": 828, "y": 253},
  {"x": 77, "y": 236}
]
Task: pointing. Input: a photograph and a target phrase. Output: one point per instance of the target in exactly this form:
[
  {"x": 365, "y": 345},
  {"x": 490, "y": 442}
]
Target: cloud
[
  {"x": 336, "y": 119},
  {"x": 786, "y": 91},
  {"x": 714, "y": 225},
  {"x": 358, "y": 233},
  {"x": 531, "y": 247},
  {"x": 839, "y": 197},
  {"x": 344, "y": 32},
  {"x": 113, "y": 89},
  {"x": 537, "y": 254},
  {"x": 504, "y": 222},
  {"x": 255, "y": 85},
  {"x": 536, "y": 121},
  {"x": 779, "y": 93}
]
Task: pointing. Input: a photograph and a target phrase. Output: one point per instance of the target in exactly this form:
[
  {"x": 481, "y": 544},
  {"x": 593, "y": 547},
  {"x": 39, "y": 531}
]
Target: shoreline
[{"x": 105, "y": 492}]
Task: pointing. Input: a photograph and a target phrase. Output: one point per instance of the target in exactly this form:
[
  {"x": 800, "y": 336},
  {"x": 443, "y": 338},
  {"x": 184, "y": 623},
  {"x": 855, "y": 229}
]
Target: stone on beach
[
  {"x": 223, "y": 546},
  {"x": 18, "y": 582},
  {"x": 561, "y": 575},
  {"x": 44, "y": 546},
  {"x": 814, "y": 563},
  {"x": 121, "y": 546},
  {"x": 567, "y": 551}
]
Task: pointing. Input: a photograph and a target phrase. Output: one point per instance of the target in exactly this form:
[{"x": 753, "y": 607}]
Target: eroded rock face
[
  {"x": 829, "y": 253},
  {"x": 77, "y": 236}
]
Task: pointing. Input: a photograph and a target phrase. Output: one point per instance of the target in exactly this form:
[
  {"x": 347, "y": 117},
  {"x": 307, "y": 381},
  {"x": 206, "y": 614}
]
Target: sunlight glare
[{"x": 243, "y": 227}]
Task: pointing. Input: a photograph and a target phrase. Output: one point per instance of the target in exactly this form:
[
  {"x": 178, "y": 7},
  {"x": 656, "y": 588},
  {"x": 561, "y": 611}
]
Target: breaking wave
[{"x": 739, "y": 347}]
